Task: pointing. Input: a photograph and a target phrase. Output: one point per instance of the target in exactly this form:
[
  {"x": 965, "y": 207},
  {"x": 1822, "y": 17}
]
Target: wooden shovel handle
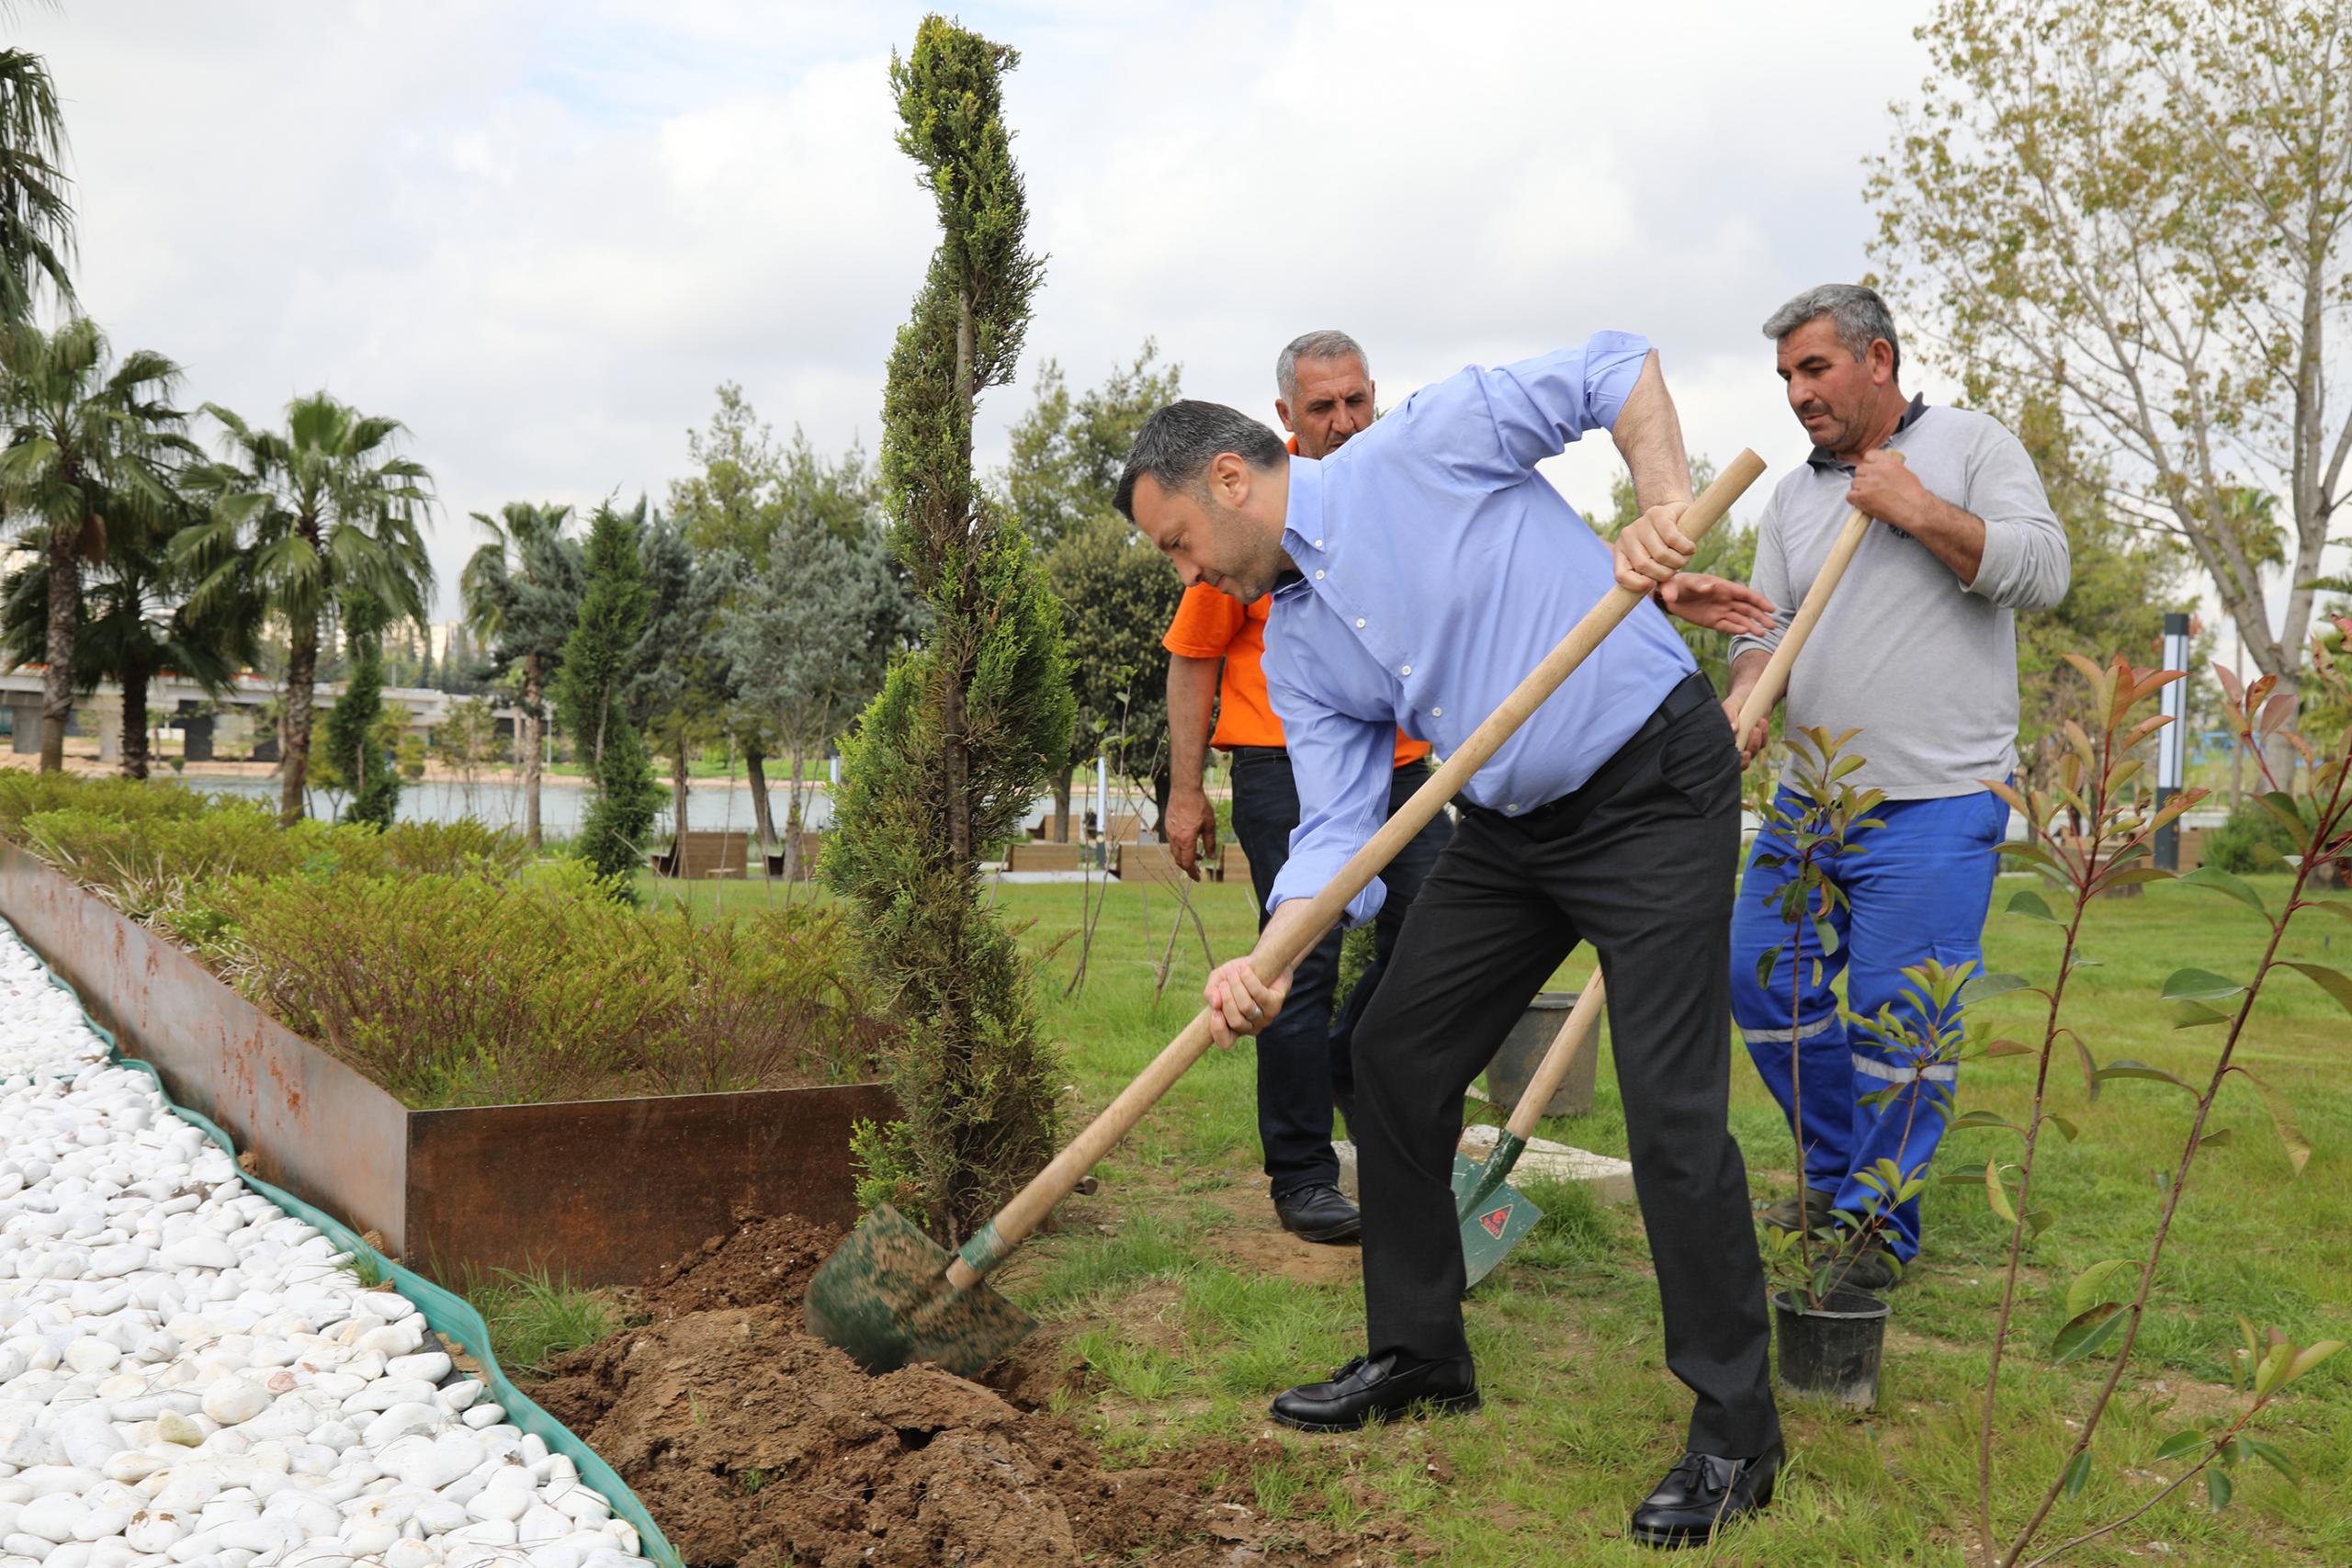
[
  {"x": 1030, "y": 1206},
  {"x": 1775, "y": 679},
  {"x": 1566, "y": 1046}
]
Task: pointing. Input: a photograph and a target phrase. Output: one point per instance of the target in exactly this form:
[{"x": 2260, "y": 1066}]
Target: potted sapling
[{"x": 1831, "y": 1333}]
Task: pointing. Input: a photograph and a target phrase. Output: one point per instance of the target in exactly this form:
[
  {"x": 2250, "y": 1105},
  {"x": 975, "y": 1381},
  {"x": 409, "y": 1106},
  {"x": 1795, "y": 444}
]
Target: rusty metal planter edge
[{"x": 601, "y": 1191}]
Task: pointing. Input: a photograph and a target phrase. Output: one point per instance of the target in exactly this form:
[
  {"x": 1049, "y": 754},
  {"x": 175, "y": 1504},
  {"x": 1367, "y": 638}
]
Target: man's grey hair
[
  {"x": 1329, "y": 343},
  {"x": 1862, "y": 316},
  {"x": 1177, "y": 445}
]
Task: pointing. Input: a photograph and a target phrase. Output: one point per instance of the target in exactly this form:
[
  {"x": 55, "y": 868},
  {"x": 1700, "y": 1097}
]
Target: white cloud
[{"x": 540, "y": 233}]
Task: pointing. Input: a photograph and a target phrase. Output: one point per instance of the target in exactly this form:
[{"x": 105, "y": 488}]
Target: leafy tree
[
  {"x": 312, "y": 516},
  {"x": 2115, "y": 602},
  {"x": 466, "y": 740},
  {"x": 947, "y": 757},
  {"x": 599, "y": 659},
  {"x": 368, "y": 766},
  {"x": 520, "y": 593},
  {"x": 2142, "y": 206},
  {"x": 680, "y": 688},
  {"x": 1067, "y": 453},
  {"x": 1066, "y": 457},
  {"x": 749, "y": 493},
  {"x": 731, "y": 503},
  {"x": 810, "y": 642},
  {"x": 136, "y": 624},
  {"x": 86, "y": 462},
  {"x": 36, "y": 218},
  {"x": 1119, "y": 589}
]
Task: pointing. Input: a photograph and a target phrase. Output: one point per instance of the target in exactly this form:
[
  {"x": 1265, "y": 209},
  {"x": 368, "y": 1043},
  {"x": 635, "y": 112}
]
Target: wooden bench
[
  {"x": 696, "y": 855},
  {"x": 812, "y": 845},
  {"x": 1038, "y": 855},
  {"x": 1144, "y": 863}
]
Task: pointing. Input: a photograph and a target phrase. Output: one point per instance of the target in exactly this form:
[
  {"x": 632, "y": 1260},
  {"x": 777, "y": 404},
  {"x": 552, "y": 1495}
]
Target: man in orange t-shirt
[{"x": 1324, "y": 395}]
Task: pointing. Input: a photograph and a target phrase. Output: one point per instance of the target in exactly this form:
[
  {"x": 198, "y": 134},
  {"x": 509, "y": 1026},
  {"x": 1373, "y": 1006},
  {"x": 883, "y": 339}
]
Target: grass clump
[{"x": 534, "y": 1317}]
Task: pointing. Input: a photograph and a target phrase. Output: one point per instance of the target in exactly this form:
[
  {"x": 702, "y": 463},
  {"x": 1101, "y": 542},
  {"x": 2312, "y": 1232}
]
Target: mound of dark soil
[{"x": 755, "y": 1444}]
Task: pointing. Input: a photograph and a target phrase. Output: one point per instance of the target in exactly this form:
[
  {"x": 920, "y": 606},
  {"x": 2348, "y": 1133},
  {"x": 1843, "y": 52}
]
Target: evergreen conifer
[{"x": 944, "y": 763}]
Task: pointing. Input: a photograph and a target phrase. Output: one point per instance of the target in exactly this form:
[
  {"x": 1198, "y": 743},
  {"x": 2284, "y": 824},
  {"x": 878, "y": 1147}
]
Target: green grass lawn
[{"x": 1161, "y": 1283}]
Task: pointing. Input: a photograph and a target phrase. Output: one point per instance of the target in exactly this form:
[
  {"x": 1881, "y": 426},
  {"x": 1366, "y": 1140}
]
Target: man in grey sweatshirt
[{"x": 1918, "y": 652}]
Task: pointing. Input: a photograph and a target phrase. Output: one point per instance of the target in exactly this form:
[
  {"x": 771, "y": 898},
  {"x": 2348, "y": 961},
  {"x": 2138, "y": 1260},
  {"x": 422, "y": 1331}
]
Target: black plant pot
[{"x": 1831, "y": 1351}]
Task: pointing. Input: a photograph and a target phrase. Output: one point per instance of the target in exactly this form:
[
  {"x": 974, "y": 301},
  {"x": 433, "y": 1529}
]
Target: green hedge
[{"x": 442, "y": 962}]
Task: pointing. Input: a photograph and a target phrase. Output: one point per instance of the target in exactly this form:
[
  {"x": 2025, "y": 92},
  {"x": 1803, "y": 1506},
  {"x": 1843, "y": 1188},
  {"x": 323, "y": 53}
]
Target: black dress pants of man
[
  {"x": 1303, "y": 1055},
  {"x": 1641, "y": 862}
]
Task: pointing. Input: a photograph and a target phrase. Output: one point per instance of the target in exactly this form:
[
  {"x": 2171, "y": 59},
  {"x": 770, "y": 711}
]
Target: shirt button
[
  {"x": 1319, "y": 577},
  {"x": 1319, "y": 543},
  {"x": 1406, "y": 670},
  {"x": 1359, "y": 622},
  {"x": 1437, "y": 712},
  {"x": 1512, "y": 806}
]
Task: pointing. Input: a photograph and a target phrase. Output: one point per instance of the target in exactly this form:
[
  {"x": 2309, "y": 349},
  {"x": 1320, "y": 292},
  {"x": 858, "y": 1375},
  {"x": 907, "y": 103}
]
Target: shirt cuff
[
  {"x": 1613, "y": 364},
  {"x": 1305, "y": 875},
  {"x": 1768, "y": 642},
  {"x": 1997, "y": 567}
]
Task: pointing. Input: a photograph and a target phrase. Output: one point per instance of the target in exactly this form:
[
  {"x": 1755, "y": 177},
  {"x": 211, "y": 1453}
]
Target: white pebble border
[{"x": 192, "y": 1378}]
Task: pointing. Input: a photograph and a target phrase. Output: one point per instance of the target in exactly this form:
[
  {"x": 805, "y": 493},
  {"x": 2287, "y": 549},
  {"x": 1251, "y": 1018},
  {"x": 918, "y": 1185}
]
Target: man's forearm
[
  {"x": 1648, "y": 434},
  {"x": 1191, "y": 707},
  {"x": 1954, "y": 534},
  {"x": 1288, "y": 926},
  {"x": 1745, "y": 670}
]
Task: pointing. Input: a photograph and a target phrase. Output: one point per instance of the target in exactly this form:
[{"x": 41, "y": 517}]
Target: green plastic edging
[{"x": 449, "y": 1315}]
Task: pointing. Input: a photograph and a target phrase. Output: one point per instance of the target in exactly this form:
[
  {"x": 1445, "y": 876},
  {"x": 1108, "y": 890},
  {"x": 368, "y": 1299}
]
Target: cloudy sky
[{"x": 540, "y": 233}]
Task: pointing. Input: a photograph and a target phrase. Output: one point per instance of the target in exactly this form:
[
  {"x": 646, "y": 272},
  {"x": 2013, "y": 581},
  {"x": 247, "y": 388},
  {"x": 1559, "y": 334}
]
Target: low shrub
[
  {"x": 157, "y": 867},
  {"x": 22, "y": 795},
  {"x": 454, "y": 990},
  {"x": 435, "y": 959},
  {"x": 2254, "y": 838}
]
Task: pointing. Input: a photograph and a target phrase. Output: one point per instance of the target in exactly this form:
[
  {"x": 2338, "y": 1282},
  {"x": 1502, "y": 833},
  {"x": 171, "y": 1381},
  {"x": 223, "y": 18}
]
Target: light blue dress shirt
[{"x": 1436, "y": 569}]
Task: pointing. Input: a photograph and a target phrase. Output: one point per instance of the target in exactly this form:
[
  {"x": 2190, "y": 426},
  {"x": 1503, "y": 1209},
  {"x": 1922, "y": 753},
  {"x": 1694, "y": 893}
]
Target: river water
[
  {"x": 710, "y": 804},
  {"x": 562, "y": 803}
]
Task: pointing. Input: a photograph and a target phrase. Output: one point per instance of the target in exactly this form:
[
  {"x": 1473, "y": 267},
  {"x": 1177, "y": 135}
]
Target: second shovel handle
[
  {"x": 1567, "y": 1047},
  {"x": 1775, "y": 679}
]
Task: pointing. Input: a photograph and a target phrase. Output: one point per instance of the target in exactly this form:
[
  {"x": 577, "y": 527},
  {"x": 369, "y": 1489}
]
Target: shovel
[
  {"x": 1775, "y": 679},
  {"x": 889, "y": 1296},
  {"x": 1494, "y": 1214}
]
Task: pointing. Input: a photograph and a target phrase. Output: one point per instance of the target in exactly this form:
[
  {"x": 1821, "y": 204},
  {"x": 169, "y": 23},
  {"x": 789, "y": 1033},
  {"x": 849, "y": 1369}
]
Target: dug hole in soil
[{"x": 753, "y": 1443}]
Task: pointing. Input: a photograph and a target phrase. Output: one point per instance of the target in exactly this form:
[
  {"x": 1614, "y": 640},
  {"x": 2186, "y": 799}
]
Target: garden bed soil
[{"x": 753, "y": 1443}]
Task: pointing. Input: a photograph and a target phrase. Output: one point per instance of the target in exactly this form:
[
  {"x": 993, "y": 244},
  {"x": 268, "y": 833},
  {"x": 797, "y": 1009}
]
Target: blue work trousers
[{"x": 1919, "y": 891}]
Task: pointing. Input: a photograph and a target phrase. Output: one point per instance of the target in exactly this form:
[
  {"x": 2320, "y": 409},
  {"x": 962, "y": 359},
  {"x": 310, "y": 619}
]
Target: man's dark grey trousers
[{"x": 1642, "y": 864}]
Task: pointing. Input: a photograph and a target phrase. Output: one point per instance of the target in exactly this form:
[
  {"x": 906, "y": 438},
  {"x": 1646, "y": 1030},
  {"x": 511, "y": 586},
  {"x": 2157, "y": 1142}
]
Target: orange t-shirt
[{"x": 1210, "y": 625}]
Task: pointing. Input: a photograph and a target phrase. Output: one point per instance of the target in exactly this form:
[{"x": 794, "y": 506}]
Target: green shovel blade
[
  {"x": 884, "y": 1297},
  {"x": 1494, "y": 1214}
]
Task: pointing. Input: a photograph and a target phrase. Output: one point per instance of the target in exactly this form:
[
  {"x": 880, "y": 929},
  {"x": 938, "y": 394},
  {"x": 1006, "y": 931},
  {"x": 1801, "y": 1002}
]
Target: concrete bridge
[{"x": 205, "y": 722}]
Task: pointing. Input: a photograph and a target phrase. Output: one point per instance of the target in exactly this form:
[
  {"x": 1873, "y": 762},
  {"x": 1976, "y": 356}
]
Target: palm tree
[
  {"x": 520, "y": 593},
  {"x": 36, "y": 220},
  {"x": 85, "y": 459},
  {"x": 137, "y": 625},
  {"x": 314, "y": 512}
]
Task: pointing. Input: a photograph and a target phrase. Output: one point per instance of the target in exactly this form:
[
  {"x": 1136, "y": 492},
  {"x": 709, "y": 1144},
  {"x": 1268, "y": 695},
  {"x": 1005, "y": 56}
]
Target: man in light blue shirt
[{"x": 1419, "y": 573}]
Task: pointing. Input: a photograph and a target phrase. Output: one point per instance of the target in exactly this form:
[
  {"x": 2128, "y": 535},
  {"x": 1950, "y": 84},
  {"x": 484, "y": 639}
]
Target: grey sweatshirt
[{"x": 1923, "y": 665}]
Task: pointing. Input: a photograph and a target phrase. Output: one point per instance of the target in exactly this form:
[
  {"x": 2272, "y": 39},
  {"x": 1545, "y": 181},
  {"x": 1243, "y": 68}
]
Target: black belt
[{"x": 1554, "y": 816}]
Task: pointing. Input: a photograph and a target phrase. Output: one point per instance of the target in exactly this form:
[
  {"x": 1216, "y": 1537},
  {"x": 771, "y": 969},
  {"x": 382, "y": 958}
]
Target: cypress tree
[
  {"x": 600, "y": 658},
  {"x": 965, "y": 731},
  {"x": 354, "y": 743}
]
